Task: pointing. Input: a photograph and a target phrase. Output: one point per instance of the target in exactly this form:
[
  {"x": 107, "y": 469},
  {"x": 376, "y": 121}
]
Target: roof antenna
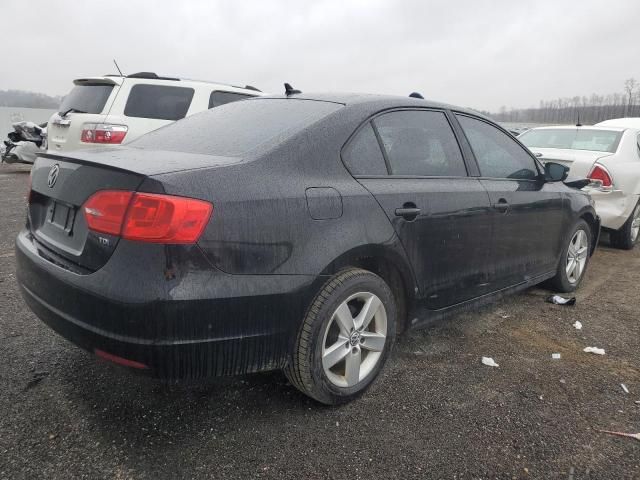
[
  {"x": 416, "y": 95},
  {"x": 119, "y": 71},
  {"x": 289, "y": 90}
]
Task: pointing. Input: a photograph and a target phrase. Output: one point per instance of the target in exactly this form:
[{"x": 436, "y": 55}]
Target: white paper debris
[
  {"x": 489, "y": 362},
  {"x": 596, "y": 350},
  {"x": 556, "y": 356},
  {"x": 624, "y": 387},
  {"x": 577, "y": 325}
]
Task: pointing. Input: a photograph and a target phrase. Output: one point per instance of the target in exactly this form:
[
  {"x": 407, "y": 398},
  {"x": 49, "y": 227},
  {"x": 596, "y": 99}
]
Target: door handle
[
  {"x": 502, "y": 205},
  {"x": 409, "y": 211}
]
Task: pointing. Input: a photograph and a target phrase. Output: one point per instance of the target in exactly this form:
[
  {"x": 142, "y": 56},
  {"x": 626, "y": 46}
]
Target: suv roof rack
[{"x": 151, "y": 75}]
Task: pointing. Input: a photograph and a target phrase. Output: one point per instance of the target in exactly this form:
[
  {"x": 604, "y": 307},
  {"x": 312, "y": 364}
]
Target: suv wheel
[
  {"x": 627, "y": 236},
  {"x": 574, "y": 260},
  {"x": 345, "y": 337}
]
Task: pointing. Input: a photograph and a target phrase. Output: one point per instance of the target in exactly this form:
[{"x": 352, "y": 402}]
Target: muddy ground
[{"x": 436, "y": 412}]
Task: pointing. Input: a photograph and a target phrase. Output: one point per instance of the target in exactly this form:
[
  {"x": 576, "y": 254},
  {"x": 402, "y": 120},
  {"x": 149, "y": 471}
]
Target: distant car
[
  {"x": 628, "y": 122},
  {"x": 113, "y": 110},
  {"x": 607, "y": 155},
  {"x": 297, "y": 233}
]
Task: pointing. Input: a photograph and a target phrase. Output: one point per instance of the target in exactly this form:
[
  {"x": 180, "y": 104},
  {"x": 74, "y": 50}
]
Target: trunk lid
[
  {"x": 579, "y": 162},
  {"x": 61, "y": 184}
]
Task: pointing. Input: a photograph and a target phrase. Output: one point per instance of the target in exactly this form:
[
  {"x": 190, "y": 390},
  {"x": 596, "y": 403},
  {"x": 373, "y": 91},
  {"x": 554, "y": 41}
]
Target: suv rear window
[
  {"x": 158, "y": 102},
  {"x": 87, "y": 98},
  {"x": 239, "y": 127},
  {"x": 218, "y": 98},
  {"x": 572, "y": 139}
]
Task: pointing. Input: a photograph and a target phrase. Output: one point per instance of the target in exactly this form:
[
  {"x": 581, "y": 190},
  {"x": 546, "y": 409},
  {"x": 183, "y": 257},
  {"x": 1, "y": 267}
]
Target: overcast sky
[{"x": 474, "y": 53}]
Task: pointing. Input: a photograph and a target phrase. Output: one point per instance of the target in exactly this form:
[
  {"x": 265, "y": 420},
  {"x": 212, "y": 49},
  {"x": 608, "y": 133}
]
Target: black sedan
[{"x": 297, "y": 232}]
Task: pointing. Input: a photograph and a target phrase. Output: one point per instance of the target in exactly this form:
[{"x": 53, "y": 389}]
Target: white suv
[{"x": 113, "y": 109}]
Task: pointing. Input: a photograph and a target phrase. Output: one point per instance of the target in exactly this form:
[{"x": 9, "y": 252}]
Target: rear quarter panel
[{"x": 261, "y": 222}]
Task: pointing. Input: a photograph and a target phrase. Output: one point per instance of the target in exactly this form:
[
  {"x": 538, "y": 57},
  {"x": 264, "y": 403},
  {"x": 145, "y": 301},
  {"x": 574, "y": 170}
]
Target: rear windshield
[
  {"x": 87, "y": 98},
  {"x": 572, "y": 139},
  {"x": 237, "y": 128},
  {"x": 159, "y": 102}
]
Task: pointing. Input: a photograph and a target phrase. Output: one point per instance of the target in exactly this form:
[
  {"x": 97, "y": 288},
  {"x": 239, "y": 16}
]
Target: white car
[
  {"x": 607, "y": 155},
  {"x": 115, "y": 110},
  {"x": 629, "y": 122}
]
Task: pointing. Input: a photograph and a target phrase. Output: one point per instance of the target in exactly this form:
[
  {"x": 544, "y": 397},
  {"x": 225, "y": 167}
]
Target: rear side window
[
  {"x": 158, "y": 101},
  {"x": 239, "y": 127},
  {"x": 498, "y": 154},
  {"x": 420, "y": 143},
  {"x": 87, "y": 98},
  {"x": 362, "y": 155},
  {"x": 218, "y": 98}
]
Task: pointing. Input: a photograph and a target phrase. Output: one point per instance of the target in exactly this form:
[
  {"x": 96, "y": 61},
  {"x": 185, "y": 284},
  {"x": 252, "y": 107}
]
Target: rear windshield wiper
[{"x": 74, "y": 110}]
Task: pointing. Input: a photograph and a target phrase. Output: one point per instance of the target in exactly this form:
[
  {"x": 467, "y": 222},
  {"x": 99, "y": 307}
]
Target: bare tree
[{"x": 630, "y": 86}]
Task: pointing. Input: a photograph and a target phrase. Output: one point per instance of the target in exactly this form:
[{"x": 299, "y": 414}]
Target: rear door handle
[{"x": 409, "y": 211}]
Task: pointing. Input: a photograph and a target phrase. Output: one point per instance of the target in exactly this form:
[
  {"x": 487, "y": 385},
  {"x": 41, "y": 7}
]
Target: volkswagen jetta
[{"x": 298, "y": 232}]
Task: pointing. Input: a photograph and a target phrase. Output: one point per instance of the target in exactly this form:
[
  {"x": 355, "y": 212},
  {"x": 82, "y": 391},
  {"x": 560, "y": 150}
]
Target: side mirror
[{"x": 555, "y": 172}]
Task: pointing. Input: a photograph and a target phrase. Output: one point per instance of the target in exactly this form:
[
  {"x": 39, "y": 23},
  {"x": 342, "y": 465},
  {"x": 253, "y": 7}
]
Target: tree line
[
  {"x": 586, "y": 110},
  {"x": 22, "y": 98}
]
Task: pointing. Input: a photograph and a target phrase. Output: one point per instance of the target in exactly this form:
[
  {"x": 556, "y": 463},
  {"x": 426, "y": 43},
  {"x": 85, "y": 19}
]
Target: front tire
[
  {"x": 574, "y": 260},
  {"x": 345, "y": 338},
  {"x": 627, "y": 236}
]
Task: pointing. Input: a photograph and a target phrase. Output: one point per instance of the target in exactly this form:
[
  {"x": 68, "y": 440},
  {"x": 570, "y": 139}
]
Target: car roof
[
  {"x": 582, "y": 127},
  {"x": 629, "y": 122},
  {"x": 141, "y": 78},
  {"x": 377, "y": 100}
]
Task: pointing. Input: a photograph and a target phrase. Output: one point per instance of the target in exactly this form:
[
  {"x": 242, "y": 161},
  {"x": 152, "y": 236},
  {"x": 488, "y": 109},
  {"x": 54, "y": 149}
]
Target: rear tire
[
  {"x": 627, "y": 236},
  {"x": 575, "y": 258},
  {"x": 345, "y": 337}
]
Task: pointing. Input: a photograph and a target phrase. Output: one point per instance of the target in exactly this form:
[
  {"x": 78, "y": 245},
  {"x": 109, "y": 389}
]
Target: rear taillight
[
  {"x": 147, "y": 217},
  {"x": 103, "y": 133},
  {"x": 601, "y": 177},
  {"x": 105, "y": 211}
]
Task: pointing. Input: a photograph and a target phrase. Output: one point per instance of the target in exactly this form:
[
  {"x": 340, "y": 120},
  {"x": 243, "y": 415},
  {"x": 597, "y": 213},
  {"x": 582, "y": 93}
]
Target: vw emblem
[{"x": 53, "y": 175}]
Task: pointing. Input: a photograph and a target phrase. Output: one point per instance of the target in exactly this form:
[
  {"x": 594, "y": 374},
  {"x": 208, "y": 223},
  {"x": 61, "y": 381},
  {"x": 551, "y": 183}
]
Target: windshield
[
  {"x": 237, "y": 128},
  {"x": 572, "y": 139},
  {"x": 87, "y": 98}
]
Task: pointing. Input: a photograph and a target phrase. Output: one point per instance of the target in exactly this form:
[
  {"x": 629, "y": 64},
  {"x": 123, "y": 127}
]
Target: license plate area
[{"x": 61, "y": 216}]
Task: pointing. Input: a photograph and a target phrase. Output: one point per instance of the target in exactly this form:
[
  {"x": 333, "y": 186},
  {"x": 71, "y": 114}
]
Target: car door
[
  {"x": 528, "y": 213},
  {"x": 440, "y": 214}
]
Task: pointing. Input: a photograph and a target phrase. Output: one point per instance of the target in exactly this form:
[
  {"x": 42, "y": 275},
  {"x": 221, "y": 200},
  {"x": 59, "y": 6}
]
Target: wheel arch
[{"x": 387, "y": 264}]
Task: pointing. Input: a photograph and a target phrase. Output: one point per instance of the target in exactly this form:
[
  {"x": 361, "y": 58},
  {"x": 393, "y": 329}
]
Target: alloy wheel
[
  {"x": 354, "y": 339},
  {"x": 577, "y": 256}
]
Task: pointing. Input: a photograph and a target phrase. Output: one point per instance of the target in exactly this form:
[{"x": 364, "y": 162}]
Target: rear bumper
[
  {"x": 614, "y": 208},
  {"x": 198, "y": 323}
]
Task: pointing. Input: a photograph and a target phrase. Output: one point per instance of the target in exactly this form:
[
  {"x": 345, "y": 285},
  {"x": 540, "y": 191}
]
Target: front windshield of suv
[
  {"x": 87, "y": 98},
  {"x": 572, "y": 139},
  {"x": 237, "y": 128}
]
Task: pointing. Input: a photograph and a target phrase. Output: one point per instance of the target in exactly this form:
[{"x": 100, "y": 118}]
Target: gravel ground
[{"x": 436, "y": 412}]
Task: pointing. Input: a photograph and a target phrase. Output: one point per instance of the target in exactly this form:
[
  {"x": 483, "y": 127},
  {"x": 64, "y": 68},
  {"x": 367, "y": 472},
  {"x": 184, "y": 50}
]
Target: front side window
[
  {"x": 218, "y": 98},
  {"x": 420, "y": 143},
  {"x": 159, "y": 102},
  {"x": 497, "y": 153},
  {"x": 362, "y": 155}
]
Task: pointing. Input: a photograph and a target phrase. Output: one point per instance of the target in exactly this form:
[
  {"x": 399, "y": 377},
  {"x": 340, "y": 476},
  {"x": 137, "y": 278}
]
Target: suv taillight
[
  {"x": 103, "y": 133},
  {"x": 601, "y": 177},
  {"x": 147, "y": 217}
]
